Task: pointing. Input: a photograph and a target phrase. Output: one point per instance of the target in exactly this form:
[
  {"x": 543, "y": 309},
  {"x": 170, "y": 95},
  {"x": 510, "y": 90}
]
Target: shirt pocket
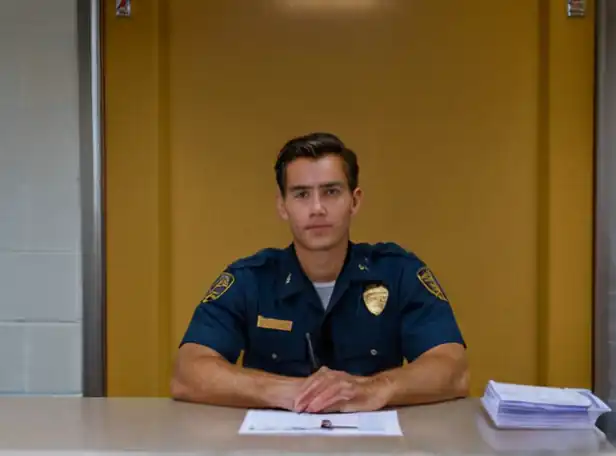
[
  {"x": 367, "y": 353},
  {"x": 279, "y": 352}
]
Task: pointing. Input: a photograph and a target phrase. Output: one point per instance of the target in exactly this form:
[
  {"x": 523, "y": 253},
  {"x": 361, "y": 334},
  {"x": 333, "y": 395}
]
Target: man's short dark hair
[{"x": 316, "y": 145}]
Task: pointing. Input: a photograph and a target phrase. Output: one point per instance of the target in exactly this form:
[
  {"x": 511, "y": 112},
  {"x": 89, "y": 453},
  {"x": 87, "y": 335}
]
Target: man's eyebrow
[
  {"x": 297, "y": 188},
  {"x": 334, "y": 184}
]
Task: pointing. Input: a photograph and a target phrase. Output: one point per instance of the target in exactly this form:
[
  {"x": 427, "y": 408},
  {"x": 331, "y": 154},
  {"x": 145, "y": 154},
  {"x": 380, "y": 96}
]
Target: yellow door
[{"x": 473, "y": 126}]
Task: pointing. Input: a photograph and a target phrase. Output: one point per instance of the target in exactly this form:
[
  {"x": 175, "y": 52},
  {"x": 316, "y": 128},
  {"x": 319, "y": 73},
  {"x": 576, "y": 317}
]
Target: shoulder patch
[
  {"x": 426, "y": 277},
  {"x": 219, "y": 287}
]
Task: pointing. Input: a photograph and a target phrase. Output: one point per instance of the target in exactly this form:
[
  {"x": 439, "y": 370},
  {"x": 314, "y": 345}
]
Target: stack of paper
[
  {"x": 538, "y": 407},
  {"x": 290, "y": 423}
]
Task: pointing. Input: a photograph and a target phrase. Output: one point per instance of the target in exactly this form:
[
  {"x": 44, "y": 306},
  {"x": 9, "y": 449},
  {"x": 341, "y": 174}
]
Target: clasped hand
[{"x": 335, "y": 391}]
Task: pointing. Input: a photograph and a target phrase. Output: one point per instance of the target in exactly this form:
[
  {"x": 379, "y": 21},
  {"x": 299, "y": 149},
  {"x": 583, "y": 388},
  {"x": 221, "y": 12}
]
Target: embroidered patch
[
  {"x": 375, "y": 299},
  {"x": 274, "y": 323},
  {"x": 426, "y": 277},
  {"x": 219, "y": 287}
]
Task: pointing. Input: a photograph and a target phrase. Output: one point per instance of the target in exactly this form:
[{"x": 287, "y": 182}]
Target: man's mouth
[{"x": 318, "y": 226}]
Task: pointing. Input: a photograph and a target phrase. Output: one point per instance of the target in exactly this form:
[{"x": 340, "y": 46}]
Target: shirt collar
[{"x": 358, "y": 267}]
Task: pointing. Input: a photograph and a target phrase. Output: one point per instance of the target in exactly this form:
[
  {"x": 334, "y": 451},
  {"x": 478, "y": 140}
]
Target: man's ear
[
  {"x": 282, "y": 211},
  {"x": 357, "y": 196}
]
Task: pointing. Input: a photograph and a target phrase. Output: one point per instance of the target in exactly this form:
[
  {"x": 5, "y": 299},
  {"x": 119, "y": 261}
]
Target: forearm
[
  {"x": 428, "y": 379},
  {"x": 215, "y": 381}
]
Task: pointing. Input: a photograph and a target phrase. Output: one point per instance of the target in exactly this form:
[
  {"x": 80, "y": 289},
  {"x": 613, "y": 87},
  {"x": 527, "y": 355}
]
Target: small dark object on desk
[
  {"x": 327, "y": 424},
  {"x": 607, "y": 424}
]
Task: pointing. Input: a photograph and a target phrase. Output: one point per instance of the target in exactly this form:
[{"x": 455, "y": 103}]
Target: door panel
[{"x": 445, "y": 104}]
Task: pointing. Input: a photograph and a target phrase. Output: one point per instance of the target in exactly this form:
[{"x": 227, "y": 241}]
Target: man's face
[{"x": 318, "y": 203}]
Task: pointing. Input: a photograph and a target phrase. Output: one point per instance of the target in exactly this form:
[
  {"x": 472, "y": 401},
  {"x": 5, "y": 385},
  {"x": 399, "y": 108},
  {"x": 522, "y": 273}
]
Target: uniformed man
[{"x": 325, "y": 324}]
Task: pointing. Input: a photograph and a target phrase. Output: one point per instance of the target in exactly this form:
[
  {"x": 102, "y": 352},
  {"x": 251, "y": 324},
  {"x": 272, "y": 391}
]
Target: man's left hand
[{"x": 335, "y": 391}]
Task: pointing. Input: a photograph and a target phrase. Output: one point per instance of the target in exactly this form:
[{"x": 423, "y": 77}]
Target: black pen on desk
[
  {"x": 313, "y": 358},
  {"x": 327, "y": 424}
]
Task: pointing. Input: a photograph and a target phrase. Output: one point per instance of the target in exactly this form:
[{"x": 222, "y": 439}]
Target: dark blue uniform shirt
[{"x": 386, "y": 305}]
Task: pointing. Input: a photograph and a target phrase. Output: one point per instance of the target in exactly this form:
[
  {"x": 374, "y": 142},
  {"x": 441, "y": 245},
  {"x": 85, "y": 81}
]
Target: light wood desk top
[{"x": 162, "y": 426}]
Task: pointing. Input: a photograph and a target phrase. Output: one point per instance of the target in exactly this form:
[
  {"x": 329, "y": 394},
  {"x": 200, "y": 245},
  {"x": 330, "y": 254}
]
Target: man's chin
[{"x": 320, "y": 245}]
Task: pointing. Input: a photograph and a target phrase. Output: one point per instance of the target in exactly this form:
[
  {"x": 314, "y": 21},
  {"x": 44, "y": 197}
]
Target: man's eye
[
  {"x": 301, "y": 195},
  {"x": 332, "y": 191}
]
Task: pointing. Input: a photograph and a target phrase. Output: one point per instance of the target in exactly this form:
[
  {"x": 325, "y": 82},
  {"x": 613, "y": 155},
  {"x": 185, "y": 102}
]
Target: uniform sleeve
[
  {"x": 218, "y": 322},
  {"x": 427, "y": 317}
]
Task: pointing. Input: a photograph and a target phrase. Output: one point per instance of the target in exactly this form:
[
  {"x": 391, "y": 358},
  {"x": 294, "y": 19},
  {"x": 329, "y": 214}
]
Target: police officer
[{"x": 325, "y": 324}]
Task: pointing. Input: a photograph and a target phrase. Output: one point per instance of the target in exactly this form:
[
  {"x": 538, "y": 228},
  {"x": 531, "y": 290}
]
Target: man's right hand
[
  {"x": 329, "y": 390},
  {"x": 282, "y": 394}
]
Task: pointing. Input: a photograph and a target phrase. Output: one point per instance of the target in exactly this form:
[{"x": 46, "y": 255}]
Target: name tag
[{"x": 274, "y": 323}]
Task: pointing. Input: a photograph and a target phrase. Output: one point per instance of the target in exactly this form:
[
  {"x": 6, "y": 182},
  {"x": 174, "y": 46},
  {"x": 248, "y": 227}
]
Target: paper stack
[{"x": 537, "y": 407}]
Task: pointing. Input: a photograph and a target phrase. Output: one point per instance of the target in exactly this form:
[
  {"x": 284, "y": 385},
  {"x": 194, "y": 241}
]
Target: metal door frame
[
  {"x": 92, "y": 197},
  {"x": 605, "y": 196}
]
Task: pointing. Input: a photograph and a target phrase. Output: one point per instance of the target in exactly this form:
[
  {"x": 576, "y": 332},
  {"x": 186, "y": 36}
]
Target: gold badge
[
  {"x": 219, "y": 287},
  {"x": 428, "y": 280},
  {"x": 375, "y": 298}
]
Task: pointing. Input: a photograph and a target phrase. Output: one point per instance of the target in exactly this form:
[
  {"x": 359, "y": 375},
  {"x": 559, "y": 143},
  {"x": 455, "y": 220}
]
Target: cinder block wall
[{"x": 40, "y": 283}]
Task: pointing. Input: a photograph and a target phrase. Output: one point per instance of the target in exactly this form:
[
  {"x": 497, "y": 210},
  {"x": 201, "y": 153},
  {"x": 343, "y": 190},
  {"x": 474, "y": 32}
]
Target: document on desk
[{"x": 270, "y": 422}]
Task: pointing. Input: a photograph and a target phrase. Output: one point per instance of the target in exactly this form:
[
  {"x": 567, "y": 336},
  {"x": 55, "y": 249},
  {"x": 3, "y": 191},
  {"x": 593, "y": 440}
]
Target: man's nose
[{"x": 317, "y": 207}]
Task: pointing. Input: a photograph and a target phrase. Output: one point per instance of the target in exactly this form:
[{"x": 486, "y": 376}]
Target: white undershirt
[{"x": 324, "y": 290}]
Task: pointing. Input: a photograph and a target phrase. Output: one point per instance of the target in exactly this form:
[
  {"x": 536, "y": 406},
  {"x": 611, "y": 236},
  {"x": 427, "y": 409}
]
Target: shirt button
[
  {"x": 373, "y": 352},
  {"x": 274, "y": 356}
]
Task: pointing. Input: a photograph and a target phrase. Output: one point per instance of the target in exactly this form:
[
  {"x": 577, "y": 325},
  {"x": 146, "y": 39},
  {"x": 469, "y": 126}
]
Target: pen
[
  {"x": 327, "y": 424},
  {"x": 313, "y": 358}
]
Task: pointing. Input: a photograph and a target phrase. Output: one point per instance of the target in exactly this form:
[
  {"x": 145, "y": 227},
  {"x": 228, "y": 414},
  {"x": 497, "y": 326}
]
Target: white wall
[{"x": 40, "y": 278}]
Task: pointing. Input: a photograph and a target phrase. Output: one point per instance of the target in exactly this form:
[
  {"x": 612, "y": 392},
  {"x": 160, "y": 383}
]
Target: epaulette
[
  {"x": 391, "y": 248},
  {"x": 259, "y": 259}
]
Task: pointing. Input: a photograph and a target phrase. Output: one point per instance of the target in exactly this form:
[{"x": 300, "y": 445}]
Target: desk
[{"x": 158, "y": 426}]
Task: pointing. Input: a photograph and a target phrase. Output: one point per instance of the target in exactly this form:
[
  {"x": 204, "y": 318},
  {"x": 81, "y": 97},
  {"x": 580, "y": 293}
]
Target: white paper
[
  {"x": 291, "y": 423},
  {"x": 539, "y": 395}
]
